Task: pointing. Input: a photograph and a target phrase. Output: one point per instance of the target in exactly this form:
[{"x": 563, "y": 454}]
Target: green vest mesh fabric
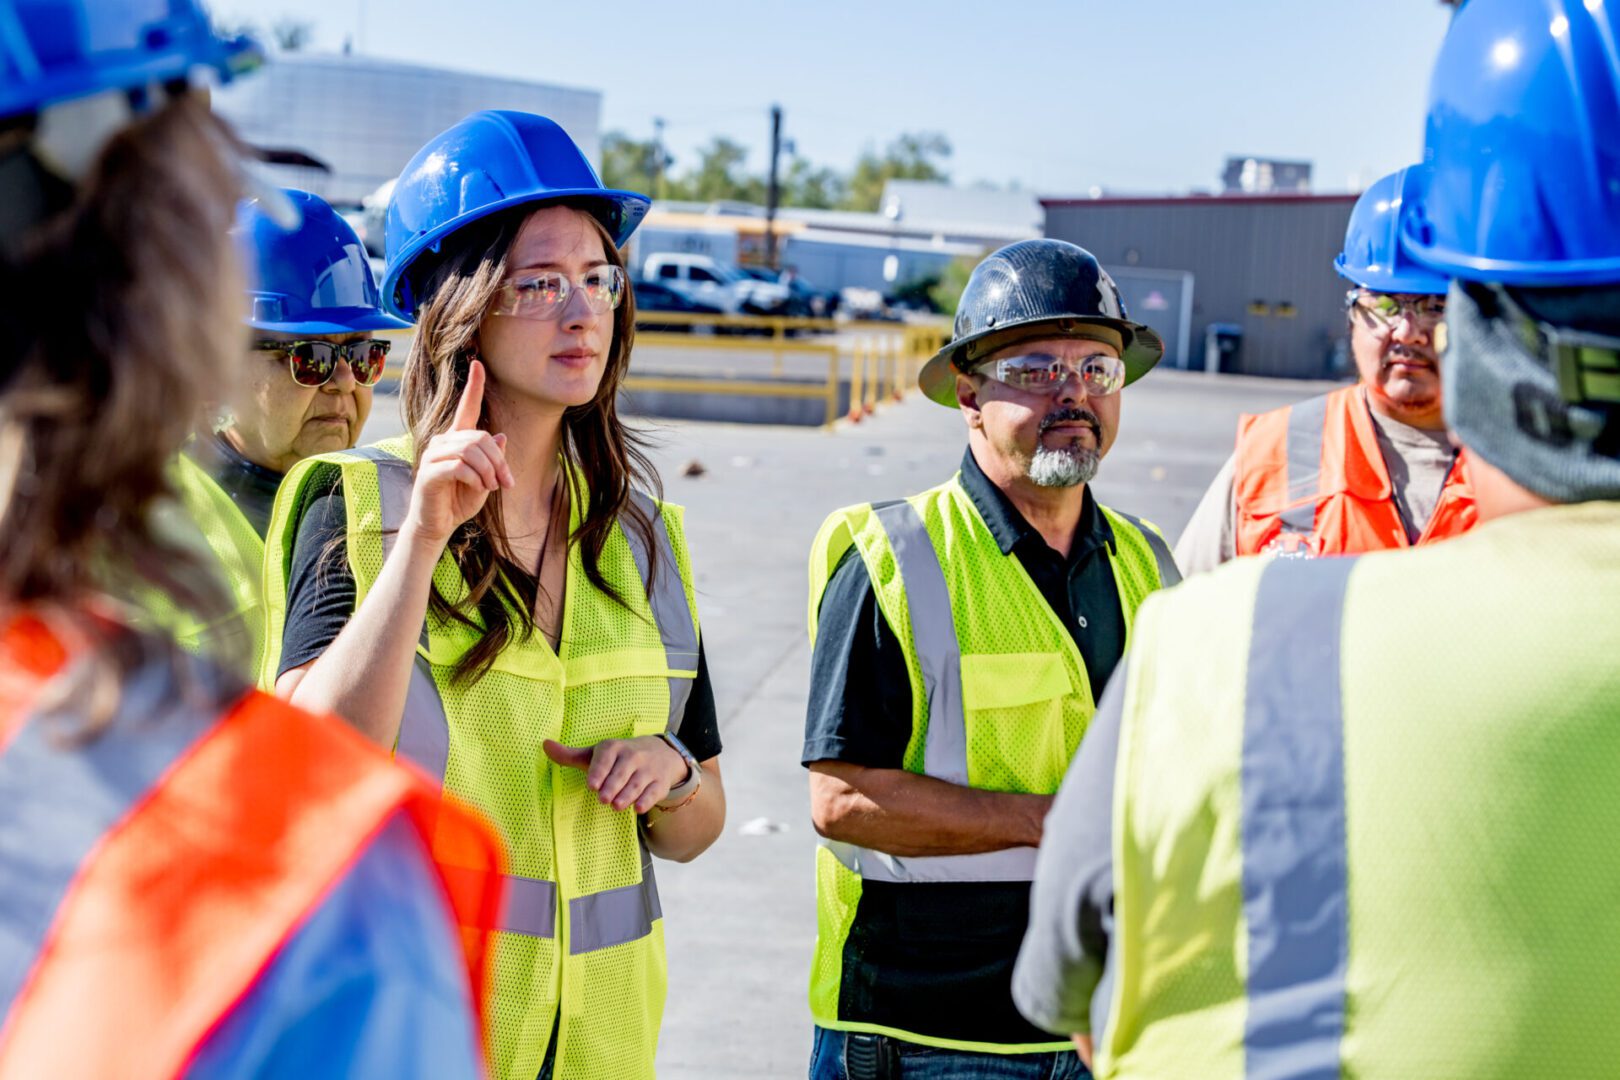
[
  {"x": 1026, "y": 694},
  {"x": 236, "y": 553},
  {"x": 610, "y": 680},
  {"x": 1480, "y": 695}
]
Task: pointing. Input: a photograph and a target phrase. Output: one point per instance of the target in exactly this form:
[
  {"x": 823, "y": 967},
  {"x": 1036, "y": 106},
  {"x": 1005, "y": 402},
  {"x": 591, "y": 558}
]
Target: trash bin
[{"x": 1222, "y": 344}]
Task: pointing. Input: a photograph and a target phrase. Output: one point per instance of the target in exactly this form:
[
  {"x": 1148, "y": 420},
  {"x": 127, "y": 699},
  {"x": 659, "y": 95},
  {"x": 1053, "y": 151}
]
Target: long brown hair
[
  {"x": 120, "y": 315},
  {"x": 598, "y": 449}
]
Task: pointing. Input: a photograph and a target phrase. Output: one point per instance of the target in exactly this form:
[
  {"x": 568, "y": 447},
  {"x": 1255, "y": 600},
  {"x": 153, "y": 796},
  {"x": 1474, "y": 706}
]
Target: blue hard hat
[
  {"x": 58, "y": 50},
  {"x": 1521, "y": 181},
  {"x": 491, "y": 161},
  {"x": 314, "y": 279},
  {"x": 1372, "y": 255}
]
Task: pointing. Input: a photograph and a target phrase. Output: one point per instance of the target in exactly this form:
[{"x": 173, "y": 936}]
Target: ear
[{"x": 967, "y": 398}]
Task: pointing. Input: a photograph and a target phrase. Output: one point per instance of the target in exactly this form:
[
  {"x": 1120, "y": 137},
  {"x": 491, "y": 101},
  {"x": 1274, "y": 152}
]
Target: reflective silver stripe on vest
[
  {"x": 666, "y": 595},
  {"x": 393, "y": 491},
  {"x": 933, "y": 632},
  {"x": 1169, "y": 572},
  {"x": 597, "y": 921},
  {"x": 60, "y": 797},
  {"x": 1295, "y": 877},
  {"x": 945, "y": 755},
  {"x": 1008, "y": 864},
  {"x": 1304, "y": 455},
  {"x": 531, "y": 907},
  {"x": 615, "y": 916},
  {"x": 424, "y": 728}
]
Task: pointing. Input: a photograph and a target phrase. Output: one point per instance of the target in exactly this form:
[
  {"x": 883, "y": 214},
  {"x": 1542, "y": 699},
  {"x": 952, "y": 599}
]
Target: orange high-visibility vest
[
  {"x": 156, "y": 868},
  {"x": 1310, "y": 479}
]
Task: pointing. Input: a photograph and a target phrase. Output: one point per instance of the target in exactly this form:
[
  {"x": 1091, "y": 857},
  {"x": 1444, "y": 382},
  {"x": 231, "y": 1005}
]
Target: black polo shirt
[
  {"x": 860, "y": 694},
  {"x": 251, "y": 487},
  {"x": 938, "y": 959}
]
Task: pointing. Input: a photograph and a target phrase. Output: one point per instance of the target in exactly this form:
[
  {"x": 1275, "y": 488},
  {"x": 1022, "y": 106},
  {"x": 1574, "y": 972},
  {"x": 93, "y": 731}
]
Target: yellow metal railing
[{"x": 883, "y": 357}]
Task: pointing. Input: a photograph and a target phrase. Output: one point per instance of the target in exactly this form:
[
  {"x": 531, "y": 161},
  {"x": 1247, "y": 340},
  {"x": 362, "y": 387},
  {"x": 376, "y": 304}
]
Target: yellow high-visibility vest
[
  {"x": 999, "y": 690},
  {"x": 583, "y": 941},
  {"x": 1365, "y": 814}
]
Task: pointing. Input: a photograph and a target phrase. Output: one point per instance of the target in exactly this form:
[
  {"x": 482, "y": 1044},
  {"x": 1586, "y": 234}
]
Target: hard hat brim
[
  {"x": 337, "y": 323},
  {"x": 1142, "y": 352},
  {"x": 631, "y": 206},
  {"x": 1415, "y": 280}
]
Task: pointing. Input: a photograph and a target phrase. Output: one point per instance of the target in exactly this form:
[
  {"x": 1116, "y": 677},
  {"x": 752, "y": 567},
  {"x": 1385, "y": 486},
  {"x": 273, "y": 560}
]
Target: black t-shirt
[
  {"x": 321, "y": 598},
  {"x": 938, "y": 959},
  {"x": 251, "y": 487}
]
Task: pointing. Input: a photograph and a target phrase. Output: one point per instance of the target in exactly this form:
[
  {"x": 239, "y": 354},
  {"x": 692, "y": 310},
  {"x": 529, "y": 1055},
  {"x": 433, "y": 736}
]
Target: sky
[{"x": 1055, "y": 97}]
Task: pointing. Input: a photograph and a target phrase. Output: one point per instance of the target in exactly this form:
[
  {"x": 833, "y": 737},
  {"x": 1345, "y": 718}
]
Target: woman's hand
[
  {"x": 624, "y": 772},
  {"x": 458, "y": 469}
]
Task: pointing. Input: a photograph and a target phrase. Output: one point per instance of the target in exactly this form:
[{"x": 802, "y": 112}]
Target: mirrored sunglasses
[{"x": 313, "y": 363}]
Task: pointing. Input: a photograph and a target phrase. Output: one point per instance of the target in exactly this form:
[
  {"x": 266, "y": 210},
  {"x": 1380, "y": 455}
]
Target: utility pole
[
  {"x": 772, "y": 192},
  {"x": 659, "y": 158}
]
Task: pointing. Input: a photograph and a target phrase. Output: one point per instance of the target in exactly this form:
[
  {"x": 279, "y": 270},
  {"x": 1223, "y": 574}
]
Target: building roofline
[
  {"x": 1197, "y": 200},
  {"x": 373, "y": 62}
]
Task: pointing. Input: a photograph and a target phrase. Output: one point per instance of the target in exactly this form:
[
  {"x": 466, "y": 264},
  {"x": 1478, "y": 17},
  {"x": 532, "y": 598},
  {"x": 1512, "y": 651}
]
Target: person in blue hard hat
[
  {"x": 1366, "y": 467},
  {"x": 498, "y": 595},
  {"x": 316, "y": 352},
  {"x": 1343, "y": 844},
  {"x": 196, "y": 879}
]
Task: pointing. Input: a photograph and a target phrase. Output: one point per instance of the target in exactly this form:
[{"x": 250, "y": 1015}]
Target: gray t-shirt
[{"x": 1418, "y": 462}]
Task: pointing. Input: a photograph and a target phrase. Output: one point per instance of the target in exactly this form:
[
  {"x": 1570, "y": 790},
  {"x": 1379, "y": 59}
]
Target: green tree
[
  {"x": 287, "y": 33},
  {"x": 948, "y": 289},
  {"x": 719, "y": 175},
  {"x": 807, "y": 185},
  {"x": 292, "y": 34},
  {"x": 913, "y": 156},
  {"x": 629, "y": 164}
]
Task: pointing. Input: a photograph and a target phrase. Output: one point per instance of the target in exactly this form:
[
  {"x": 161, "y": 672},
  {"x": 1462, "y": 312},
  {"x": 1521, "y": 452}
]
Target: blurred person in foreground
[
  {"x": 499, "y": 597},
  {"x": 1366, "y": 467},
  {"x": 962, "y": 637},
  {"x": 195, "y": 879},
  {"x": 1343, "y": 845},
  {"x": 314, "y": 357}
]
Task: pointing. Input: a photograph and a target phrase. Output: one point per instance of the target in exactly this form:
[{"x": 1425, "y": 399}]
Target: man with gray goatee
[{"x": 962, "y": 638}]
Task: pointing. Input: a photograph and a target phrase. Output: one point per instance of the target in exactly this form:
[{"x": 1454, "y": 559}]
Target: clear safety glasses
[
  {"x": 313, "y": 363},
  {"x": 543, "y": 295},
  {"x": 1384, "y": 310},
  {"x": 1042, "y": 373}
]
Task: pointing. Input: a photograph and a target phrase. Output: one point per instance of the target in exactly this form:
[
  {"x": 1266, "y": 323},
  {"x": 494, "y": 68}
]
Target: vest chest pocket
[
  {"x": 620, "y": 694},
  {"x": 1014, "y": 706}
]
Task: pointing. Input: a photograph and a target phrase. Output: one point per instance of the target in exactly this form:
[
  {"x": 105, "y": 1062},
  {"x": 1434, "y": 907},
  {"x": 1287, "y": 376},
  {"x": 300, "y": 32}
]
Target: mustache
[
  {"x": 1064, "y": 416},
  {"x": 1401, "y": 349}
]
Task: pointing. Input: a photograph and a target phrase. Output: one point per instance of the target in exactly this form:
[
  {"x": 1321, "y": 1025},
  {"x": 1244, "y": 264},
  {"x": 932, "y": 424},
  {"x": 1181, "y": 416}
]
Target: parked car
[
  {"x": 804, "y": 299},
  {"x": 710, "y": 281},
  {"x": 656, "y": 296},
  {"x": 374, "y": 216}
]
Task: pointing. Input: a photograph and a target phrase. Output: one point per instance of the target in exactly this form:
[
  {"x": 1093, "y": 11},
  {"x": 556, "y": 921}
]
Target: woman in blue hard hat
[
  {"x": 195, "y": 878},
  {"x": 1363, "y": 468},
  {"x": 315, "y": 355},
  {"x": 503, "y": 602}
]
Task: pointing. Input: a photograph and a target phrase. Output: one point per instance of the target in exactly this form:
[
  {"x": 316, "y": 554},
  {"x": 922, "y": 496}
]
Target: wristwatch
[{"x": 687, "y": 789}]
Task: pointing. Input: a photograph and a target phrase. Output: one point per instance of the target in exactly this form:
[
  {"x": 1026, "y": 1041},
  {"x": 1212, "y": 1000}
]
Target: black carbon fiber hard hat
[{"x": 1036, "y": 289}]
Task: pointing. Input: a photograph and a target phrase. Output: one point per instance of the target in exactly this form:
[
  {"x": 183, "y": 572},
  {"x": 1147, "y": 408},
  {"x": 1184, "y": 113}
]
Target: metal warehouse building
[
  {"x": 1261, "y": 264},
  {"x": 366, "y": 117}
]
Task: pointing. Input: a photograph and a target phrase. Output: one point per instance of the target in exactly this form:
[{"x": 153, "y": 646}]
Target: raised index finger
[{"x": 471, "y": 404}]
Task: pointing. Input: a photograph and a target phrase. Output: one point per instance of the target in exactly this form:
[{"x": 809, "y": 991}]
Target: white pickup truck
[{"x": 707, "y": 281}]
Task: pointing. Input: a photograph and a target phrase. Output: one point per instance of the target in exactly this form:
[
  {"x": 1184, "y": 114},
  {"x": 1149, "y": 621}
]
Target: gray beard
[{"x": 1063, "y": 467}]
